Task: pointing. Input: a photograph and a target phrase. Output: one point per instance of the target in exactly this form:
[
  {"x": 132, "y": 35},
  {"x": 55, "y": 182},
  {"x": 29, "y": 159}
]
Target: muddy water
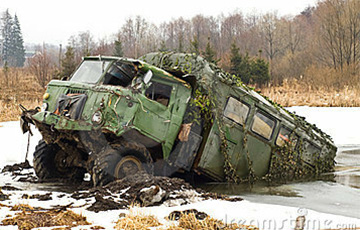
[{"x": 337, "y": 193}]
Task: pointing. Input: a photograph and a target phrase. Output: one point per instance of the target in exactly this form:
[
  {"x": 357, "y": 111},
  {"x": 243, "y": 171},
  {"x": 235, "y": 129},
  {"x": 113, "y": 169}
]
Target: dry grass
[
  {"x": 29, "y": 218},
  {"x": 190, "y": 222},
  {"x": 136, "y": 220},
  {"x": 17, "y": 87},
  {"x": 299, "y": 93}
]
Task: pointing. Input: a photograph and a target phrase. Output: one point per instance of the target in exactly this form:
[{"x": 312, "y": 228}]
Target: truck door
[
  {"x": 153, "y": 115},
  {"x": 259, "y": 141},
  {"x": 160, "y": 112},
  {"x": 236, "y": 113}
]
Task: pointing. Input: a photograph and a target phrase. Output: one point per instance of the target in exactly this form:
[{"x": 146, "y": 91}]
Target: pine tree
[
  {"x": 118, "y": 48},
  {"x": 163, "y": 47},
  {"x": 68, "y": 63},
  {"x": 210, "y": 54},
  {"x": 235, "y": 59},
  {"x": 18, "y": 44},
  {"x": 260, "y": 71},
  {"x": 6, "y": 33},
  {"x": 194, "y": 46},
  {"x": 240, "y": 65},
  {"x": 13, "y": 51}
]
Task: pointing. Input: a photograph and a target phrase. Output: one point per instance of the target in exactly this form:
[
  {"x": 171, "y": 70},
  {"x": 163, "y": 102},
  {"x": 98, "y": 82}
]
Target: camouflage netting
[{"x": 204, "y": 78}]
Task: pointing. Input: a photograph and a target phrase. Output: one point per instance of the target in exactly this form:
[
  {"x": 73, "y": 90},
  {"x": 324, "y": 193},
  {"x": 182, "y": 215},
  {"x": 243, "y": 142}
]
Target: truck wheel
[
  {"x": 48, "y": 163},
  {"x": 120, "y": 160}
]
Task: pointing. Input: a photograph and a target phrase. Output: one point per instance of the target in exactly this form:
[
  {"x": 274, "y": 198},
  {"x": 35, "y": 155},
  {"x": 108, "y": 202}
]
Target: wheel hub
[{"x": 129, "y": 165}]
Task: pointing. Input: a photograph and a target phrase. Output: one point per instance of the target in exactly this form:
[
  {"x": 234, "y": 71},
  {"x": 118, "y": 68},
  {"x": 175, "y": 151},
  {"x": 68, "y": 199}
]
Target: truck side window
[
  {"x": 310, "y": 152},
  {"x": 286, "y": 136},
  {"x": 159, "y": 92},
  {"x": 263, "y": 125},
  {"x": 236, "y": 111}
]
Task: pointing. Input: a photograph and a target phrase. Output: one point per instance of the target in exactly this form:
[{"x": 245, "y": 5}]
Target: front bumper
[{"x": 54, "y": 121}]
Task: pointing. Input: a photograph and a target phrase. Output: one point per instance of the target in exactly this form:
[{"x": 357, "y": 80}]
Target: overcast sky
[{"x": 55, "y": 21}]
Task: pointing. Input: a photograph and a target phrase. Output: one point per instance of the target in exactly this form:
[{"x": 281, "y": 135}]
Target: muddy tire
[
  {"x": 47, "y": 164},
  {"x": 120, "y": 160}
]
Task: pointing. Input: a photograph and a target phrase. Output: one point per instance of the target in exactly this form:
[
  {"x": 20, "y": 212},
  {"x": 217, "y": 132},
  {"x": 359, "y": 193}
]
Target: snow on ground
[{"x": 341, "y": 123}]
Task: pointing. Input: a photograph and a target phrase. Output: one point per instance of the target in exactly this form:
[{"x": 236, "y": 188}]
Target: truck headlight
[
  {"x": 44, "y": 107},
  {"x": 97, "y": 117},
  {"x": 46, "y": 96}
]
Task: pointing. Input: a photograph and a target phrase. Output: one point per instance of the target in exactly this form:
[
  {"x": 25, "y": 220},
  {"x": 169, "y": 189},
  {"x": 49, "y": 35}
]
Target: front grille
[{"x": 76, "y": 91}]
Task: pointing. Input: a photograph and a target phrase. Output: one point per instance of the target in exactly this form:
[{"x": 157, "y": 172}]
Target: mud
[
  {"x": 21, "y": 172},
  {"x": 17, "y": 167},
  {"x": 176, "y": 215},
  {"x": 140, "y": 189},
  {"x": 43, "y": 197},
  {"x": 3, "y": 196}
]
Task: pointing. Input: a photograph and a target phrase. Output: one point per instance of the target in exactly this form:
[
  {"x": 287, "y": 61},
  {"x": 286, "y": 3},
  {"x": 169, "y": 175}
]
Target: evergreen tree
[
  {"x": 68, "y": 63},
  {"x": 210, "y": 54},
  {"x": 194, "y": 46},
  {"x": 181, "y": 44},
  {"x": 260, "y": 71},
  {"x": 240, "y": 65},
  {"x": 163, "y": 47},
  {"x": 118, "y": 48},
  {"x": 6, "y": 33},
  {"x": 18, "y": 44},
  {"x": 13, "y": 51}
]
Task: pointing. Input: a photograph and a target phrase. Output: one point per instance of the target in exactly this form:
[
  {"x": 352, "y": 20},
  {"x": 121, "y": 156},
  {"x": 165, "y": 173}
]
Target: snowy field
[{"x": 341, "y": 123}]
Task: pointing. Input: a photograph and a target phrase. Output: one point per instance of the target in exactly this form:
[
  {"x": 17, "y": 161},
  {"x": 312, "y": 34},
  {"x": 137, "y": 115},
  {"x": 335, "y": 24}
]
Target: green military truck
[{"x": 167, "y": 113}]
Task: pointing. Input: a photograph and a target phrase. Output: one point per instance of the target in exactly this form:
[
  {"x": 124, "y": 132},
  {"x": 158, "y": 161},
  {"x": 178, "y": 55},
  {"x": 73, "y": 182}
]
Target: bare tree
[
  {"x": 339, "y": 32},
  {"x": 273, "y": 36},
  {"x": 41, "y": 66}
]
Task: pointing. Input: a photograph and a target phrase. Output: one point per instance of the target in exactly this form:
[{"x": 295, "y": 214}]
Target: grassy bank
[{"x": 297, "y": 93}]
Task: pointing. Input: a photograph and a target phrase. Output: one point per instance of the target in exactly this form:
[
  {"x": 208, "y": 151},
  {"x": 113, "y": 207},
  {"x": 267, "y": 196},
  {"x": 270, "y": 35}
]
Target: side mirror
[{"x": 148, "y": 77}]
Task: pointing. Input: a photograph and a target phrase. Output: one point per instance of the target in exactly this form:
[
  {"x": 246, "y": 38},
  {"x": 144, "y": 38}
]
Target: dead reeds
[
  {"x": 17, "y": 86},
  {"x": 135, "y": 220},
  {"x": 298, "y": 93},
  {"x": 30, "y": 218}
]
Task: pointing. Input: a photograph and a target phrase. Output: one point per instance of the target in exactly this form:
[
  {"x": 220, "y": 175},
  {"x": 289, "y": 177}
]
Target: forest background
[{"x": 309, "y": 59}]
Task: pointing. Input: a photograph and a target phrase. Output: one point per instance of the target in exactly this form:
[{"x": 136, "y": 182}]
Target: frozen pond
[{"x": 338, "y": 193}]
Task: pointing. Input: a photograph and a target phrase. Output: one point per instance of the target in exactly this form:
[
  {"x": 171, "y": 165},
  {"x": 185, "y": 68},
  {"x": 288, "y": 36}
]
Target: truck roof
[{"x": 207, "y": 75}]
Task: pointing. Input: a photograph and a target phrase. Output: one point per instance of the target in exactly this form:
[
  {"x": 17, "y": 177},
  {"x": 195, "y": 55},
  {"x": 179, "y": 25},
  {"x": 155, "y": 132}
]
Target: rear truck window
[
  {"x": 263, "y": 125},
  {"x": 236, "y": 111}
]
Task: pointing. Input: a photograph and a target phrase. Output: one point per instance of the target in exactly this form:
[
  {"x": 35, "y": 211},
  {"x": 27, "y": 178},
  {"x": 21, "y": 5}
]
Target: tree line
[{"x": 256, "y": 47}]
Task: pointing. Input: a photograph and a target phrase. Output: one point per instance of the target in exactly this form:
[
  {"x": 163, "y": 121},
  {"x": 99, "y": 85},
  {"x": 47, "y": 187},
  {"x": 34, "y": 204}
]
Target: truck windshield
[{"x": 90, "y": 71}]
